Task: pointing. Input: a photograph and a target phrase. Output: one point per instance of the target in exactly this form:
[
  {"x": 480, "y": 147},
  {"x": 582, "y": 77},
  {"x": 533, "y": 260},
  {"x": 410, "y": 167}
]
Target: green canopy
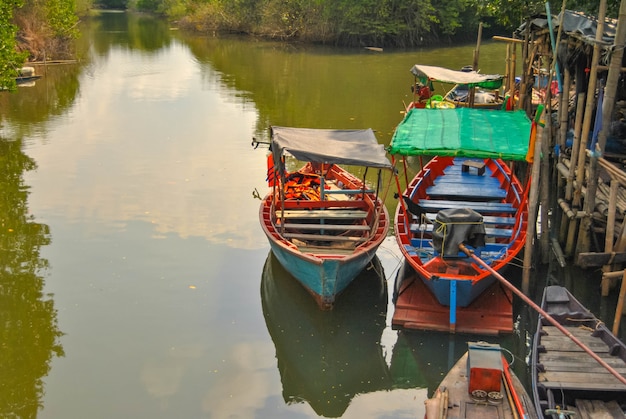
[{"x": 464, "y": 132}]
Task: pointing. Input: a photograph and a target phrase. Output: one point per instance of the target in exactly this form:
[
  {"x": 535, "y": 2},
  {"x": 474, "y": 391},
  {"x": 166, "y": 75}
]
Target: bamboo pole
[
  {"x": 532, "y": 203},
  {"x": 472, "y": 92},
  {"x": 543, "y": 313},
  {"x": 620, "y": 305},
  {"x": 526, "y": 61},
  {"x": 546, "y": 144},
  {"x": 585, "y": 224},
  {"x": 576, "y": 146},
  {"x": 610, "y": 229}
]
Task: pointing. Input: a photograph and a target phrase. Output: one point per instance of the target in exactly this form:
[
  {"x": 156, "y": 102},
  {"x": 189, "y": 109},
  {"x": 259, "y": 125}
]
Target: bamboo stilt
[
  {"x": 608, "y": 241},
  {"x": 583, "y": 242},
  {"x": 532, "y": 204},
  {"x": 620, "y": 305}
]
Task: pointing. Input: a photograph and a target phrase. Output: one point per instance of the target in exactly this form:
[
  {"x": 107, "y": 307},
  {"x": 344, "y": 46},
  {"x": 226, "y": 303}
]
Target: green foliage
[
  {"x": 10, "y": 60},
  {"x": 61, "y": 17}
]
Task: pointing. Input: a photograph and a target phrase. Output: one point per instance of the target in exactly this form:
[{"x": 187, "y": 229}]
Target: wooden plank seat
[
  {"x": 490, "y": 231},
  {"x": 470, "y": 191},
  {"x": 481, "y": 207},
  {"x": 347, "y": 191},
  {"x": 330, "y": 213},
  {"x": 324, "y": 237},
  {"x": 330, "y": 227},
  {"x": 305, "y": 205},
  {"x": 487, "y": 219}
]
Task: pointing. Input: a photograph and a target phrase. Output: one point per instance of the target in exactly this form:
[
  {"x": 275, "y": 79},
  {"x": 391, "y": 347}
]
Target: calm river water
[{"x": 136, "y": 281}]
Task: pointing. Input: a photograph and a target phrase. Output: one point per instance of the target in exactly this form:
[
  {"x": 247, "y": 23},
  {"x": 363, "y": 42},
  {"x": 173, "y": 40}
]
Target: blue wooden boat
[
  {"x": 323, "y": 223},
  {"x": 466, "y": 193}
]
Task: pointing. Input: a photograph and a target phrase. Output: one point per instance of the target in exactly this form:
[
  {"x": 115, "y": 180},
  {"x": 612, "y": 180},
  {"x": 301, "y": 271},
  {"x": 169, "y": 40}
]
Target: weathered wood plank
[
  {"x": 581, "y": 363},
  {"x": 566, "y": 345},
  {"x": 558, "y": 381},
  {"x": 590, "y": 260},
  {"x": 594, "y": 409}
]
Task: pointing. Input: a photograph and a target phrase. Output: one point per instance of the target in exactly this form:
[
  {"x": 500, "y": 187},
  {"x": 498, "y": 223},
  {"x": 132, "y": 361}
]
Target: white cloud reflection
[{"x": 154, "y": 146}]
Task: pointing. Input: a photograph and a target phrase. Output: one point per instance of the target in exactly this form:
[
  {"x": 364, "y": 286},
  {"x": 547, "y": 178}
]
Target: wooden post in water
[
  {"x": 546, "y": 144},
  {"x": 472, "y": 91},
  {"x": 583, "y": 242},
  {"x": 620, "y": 305},
  {"x": 563, "y": 128},
  {"x": 533, "y": 195},
  {"x": 570, "y": 195},
  {"x": 607, "y": 117}
]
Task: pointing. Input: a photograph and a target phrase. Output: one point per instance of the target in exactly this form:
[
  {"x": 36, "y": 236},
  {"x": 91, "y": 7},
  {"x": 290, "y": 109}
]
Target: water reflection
[
  {"x": 29, "y": 333},
  {"x": 326, "y": 358}
]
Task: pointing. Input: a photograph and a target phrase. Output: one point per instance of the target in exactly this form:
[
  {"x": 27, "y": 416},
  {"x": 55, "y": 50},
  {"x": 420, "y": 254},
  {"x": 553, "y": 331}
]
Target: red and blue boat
[
  {"x": 466, "y": 193},
  {"x": 324, "y": 224}
]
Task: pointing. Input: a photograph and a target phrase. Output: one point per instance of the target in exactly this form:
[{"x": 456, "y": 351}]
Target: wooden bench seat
[
  {"x": 480, "y": 207},
  {"x": 323, "y": 214},
  {"x": 489, "y": 231},
  {"x": 476, "y": 191},
  {"x": 329, "y": 227},
  {"x": 347, "y": 191},
  {"x": 487, "y": 219},
  {"x": 324, "y": 237}
]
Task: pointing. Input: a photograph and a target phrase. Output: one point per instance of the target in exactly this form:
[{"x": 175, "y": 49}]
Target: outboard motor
[{"x": 455, "y": 226}]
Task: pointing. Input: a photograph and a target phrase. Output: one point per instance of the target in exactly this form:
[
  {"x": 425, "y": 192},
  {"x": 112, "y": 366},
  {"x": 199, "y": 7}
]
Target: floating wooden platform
[{"x": 417, "y": 308}]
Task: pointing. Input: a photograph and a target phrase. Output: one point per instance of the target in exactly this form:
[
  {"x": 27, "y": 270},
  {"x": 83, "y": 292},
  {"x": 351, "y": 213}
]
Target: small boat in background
[
  {"x": 466, "y": 193},
  {"x": 27, "y": 77},
  {"x": 470, "y": 88},
  {"x": 481, "y": 385},
  {"x": 323, "y": 223},
  {"x": 566, "y": 380}
]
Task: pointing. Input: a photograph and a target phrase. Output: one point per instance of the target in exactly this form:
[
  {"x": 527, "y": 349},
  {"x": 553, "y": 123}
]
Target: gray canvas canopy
[
  {"x": 471, "y": 78},
  {"x": 337, "y": 146}
]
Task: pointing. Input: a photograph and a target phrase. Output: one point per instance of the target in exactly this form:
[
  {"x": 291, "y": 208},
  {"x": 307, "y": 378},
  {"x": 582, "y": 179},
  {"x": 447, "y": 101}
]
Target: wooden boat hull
[
  {"x": 325, "y": 268},
  {"x": 313, "y": 362},
  {"x": 563, "y": 375},
  {"x": 456, "y": 397},
  {"x": 456, "y": 282}
]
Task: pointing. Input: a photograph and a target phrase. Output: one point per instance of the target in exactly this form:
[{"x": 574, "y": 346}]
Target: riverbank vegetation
[{"x": 44, "y": 29}]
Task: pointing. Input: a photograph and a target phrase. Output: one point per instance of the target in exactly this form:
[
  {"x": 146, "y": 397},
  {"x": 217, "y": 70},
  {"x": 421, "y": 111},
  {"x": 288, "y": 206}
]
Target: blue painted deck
[{"x": 466, "y": 185}]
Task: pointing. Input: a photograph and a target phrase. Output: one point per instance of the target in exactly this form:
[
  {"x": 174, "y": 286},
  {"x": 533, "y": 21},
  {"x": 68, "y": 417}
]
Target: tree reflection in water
[{"x": 29, "y": 334}]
